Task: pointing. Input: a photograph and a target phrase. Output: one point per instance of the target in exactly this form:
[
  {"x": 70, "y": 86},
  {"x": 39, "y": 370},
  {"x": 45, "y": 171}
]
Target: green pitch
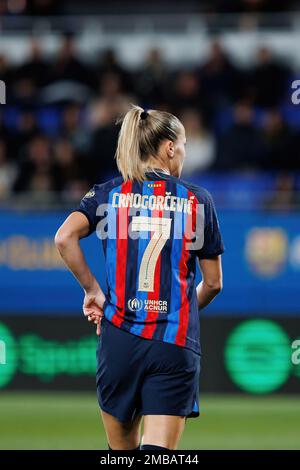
[{"x": 71, "y": 421}]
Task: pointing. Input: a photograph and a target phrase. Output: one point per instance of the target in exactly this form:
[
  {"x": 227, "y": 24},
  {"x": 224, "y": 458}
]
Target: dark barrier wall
[
  {"x": 261, "y": 265},
  {"x": 256, "y": 356}
]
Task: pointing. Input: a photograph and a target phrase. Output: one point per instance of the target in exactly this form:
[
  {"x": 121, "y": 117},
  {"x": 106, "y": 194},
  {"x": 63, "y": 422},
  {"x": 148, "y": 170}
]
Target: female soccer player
[{"x": 154, "y": 227}]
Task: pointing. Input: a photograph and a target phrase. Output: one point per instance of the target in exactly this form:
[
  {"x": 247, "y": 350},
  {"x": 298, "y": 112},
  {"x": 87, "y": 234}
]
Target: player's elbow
[
  {"x": 215, "y": 285},
  {"x": 218, "y": 287},
  {"x": 61, "y": 239}
]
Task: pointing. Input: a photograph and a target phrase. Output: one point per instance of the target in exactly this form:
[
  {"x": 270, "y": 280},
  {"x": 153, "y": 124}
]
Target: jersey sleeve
[
  {"x": 213, "y": 244},
  {"x": 88, "y": 206}
]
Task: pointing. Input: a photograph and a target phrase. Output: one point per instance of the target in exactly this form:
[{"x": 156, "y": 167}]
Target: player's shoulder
[
  {"x": 101, "y": 189},
  {"x": 202, "y": 194}
]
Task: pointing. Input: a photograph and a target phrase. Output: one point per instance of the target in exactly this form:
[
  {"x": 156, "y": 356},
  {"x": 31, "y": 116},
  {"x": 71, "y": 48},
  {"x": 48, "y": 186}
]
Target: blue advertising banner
[{"x": 261, "y": 265}]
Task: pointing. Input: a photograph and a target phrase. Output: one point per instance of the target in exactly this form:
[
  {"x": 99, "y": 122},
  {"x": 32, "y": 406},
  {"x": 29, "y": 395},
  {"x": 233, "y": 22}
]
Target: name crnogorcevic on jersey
[{"x": 152, "y": 233}]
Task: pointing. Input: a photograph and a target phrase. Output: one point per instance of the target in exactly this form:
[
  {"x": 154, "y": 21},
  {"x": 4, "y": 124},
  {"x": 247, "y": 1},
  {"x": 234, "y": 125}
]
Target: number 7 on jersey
[{"x": 161, "y": 228}]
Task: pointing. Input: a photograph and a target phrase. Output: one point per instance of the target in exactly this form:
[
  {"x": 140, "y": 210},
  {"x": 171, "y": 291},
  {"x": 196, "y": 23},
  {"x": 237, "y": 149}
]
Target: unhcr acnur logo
[{"x": 135, "y": 304}]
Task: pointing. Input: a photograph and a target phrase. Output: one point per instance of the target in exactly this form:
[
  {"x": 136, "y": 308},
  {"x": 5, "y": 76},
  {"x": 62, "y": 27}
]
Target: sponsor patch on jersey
[
  {"x": 135, "y": 305},
  {"x": 156, "y": 305}
]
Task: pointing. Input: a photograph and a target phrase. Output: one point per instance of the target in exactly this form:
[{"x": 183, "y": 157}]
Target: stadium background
[{"x": 228, "y": 70}]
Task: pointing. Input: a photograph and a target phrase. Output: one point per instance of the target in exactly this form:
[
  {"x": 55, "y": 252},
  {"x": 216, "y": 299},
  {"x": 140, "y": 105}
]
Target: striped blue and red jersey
[{"x": 152, "y": 234}]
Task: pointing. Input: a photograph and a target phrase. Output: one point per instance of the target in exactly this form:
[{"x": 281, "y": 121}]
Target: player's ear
[{"x": 169, "y": 147}]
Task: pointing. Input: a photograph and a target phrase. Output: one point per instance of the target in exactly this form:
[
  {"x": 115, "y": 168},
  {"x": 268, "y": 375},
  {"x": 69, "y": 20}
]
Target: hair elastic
[{"x": 144, "y": 115}]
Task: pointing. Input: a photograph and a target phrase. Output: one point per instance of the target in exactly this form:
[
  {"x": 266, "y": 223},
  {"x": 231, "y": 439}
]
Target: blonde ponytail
[
  {"x": 140, "y": 138},
  {"x": 128, "y": 153}
]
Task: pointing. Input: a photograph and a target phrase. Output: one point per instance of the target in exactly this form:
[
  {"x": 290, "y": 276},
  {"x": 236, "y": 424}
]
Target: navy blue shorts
[{"x": 137, "y": 376}]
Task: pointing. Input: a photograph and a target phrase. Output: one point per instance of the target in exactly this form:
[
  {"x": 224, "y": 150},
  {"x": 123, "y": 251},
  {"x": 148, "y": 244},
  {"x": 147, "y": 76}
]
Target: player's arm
[
  {"x": 210, "y": 255},
  {"x": 75, "y": 227},
  {"x": 211, "y": 283}
]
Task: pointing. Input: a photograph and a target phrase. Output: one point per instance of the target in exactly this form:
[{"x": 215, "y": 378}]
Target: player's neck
[{"x": 158, "y": 168}]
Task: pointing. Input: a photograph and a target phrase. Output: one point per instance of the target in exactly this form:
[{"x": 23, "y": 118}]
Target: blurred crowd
[
  {"x": 58, "y": 7},
  {"x": 58, "y": 132}
]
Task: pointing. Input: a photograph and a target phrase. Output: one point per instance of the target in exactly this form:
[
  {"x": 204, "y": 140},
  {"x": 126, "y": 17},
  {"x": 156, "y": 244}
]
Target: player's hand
[
  {"x": 93, "y": 307},
  {"x": 97, "y": 321}
]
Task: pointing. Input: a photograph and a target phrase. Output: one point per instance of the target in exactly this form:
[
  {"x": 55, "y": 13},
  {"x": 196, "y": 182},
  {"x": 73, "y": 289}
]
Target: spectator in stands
[
  {"x": 188, "y": 93},
  {"x": 34, "y": 69},
  {"x": 109, "y": 65},
  {"x": 70, "y": 121},
  {"x": 7, "y": 74},
  {"x": 281, "y": 143},
  {"x": 200, "y": 145},
  {"x": 37, "y": 172},
  {"x": 67, "y": 65},
  {"x": 221, "y": 80},
  {"x": 152, "y": 80},
  {"x": 103, "y": 115},
  {"x": 93, "y": 138},
  {"x": 111, "y": 86},
  {"x": 268, "y": 81},
  {"x": 74, "y": 127},
  {"x": 71, "y": 181},
  {"x": 242, "y": 146},
  {"x": 27, "y": 128},
  {"x": 30, "y": 76}
]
